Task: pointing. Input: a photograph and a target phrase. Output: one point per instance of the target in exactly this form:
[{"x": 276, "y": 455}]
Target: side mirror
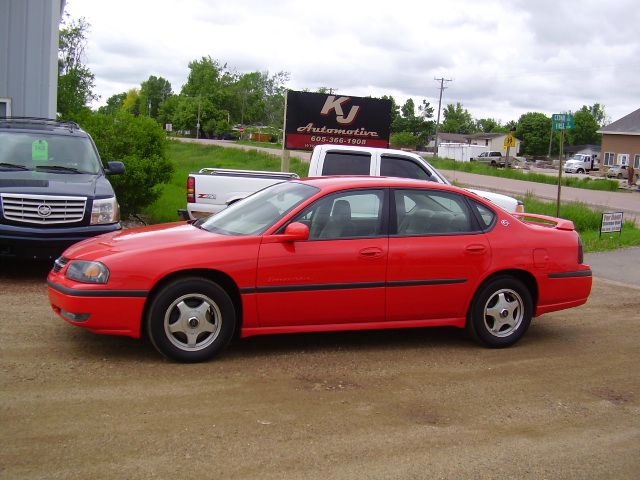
[
  {"x": 294, "y": 232},
  {"x": 114, "y": 168}
]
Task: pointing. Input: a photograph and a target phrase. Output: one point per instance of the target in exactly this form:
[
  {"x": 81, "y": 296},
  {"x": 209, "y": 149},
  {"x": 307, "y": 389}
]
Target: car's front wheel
[
  {"x": 580, "y": 170},
  {"x": 501, "y": 312},
  {"x": 191, "y": 320}
]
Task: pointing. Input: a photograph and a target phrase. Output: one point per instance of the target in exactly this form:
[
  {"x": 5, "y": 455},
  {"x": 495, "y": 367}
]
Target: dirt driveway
[{"x": 564, "y": 403}]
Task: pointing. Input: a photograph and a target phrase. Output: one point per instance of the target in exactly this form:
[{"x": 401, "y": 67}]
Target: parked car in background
[
  {"x": 53, "y": 188},
  {"x": 325, "y": 254},
  {"x": 621, "y": 172},
  {"x": 495, "y": 159}
]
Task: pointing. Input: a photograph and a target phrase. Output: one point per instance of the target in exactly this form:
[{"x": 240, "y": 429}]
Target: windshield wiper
[
  {"x": 13, "y": 165},
  {"x": 58, "y": 168}
]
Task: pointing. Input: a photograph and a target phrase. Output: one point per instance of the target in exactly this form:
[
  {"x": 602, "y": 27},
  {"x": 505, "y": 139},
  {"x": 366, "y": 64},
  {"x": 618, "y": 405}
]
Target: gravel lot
[{"x": 564, "y": 403}]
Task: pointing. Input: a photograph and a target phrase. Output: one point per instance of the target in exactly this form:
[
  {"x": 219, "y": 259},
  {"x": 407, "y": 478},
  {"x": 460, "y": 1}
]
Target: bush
[
  {"x": 140, "y": 143},
  {"x": 403, "y": 139}
]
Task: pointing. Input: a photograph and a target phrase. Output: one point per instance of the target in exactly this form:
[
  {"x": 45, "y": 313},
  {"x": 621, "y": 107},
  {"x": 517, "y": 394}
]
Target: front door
[{"x": 338, "y": 275}]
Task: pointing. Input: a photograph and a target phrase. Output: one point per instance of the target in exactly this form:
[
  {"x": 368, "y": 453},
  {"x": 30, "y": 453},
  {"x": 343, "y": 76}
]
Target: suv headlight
[
  {"x": 87, "y": 272},
  {"x": 105, "y": 210}
]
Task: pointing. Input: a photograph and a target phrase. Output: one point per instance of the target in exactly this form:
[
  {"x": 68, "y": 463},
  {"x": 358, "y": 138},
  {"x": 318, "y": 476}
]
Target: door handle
[
  {"x": 476, "y": 248},
  {"x": 371, "y": 252}
]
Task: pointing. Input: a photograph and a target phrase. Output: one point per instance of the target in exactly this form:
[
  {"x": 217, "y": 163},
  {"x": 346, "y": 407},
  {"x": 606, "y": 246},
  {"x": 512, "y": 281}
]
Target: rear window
[{"x": 346, "y": 163}]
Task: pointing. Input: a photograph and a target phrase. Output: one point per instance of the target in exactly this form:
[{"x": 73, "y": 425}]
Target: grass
[
  {"x": 188, "y": 157},
  {"x": 481, "y": 169},
  {"x": 587, "y": 222}
]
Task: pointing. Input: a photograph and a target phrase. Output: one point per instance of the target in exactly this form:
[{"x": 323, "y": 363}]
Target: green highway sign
[{"x": 563, "y": 121}]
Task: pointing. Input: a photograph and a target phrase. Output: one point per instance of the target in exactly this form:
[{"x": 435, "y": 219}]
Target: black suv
[{"x": 53, "y": 189}]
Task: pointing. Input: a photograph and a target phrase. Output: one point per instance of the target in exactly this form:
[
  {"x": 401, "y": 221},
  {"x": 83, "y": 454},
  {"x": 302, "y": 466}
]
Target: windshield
[
  {"x": 254, "y": 214},
  {"x": 44, "y": 152}
]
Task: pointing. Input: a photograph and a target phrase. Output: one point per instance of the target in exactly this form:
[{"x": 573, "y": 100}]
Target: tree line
[{"x": 218, "y": 98}]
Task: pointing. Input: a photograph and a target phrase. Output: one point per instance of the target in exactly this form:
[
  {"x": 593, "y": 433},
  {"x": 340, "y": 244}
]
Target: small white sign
[
  {"x": 168, "y": 127},
  {"x": 611, "y": 222}
]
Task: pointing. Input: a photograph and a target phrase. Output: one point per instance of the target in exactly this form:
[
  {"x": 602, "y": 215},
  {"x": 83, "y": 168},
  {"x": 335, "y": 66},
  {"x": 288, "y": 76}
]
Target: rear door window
[{"x": 392, "y": 166}]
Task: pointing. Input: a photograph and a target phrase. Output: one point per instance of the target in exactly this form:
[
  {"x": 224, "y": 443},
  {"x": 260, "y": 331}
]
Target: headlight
[
  {"x": 105, "y": 210},
  {"x": 88, "y": 272}
]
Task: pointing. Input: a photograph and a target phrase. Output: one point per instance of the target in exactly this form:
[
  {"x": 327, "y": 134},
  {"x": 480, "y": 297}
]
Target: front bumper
[
  {"x": 99, "y": 310},
  {"x": 46, "y": 243}
]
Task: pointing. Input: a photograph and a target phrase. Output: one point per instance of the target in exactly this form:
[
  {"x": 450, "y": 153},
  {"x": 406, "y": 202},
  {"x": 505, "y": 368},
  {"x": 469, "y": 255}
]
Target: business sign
[
  {"x": 611, "y": 222},
  {"x": 317, "y": 118}
]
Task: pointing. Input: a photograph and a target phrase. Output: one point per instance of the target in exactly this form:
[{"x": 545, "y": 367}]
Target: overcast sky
[{"x": 505, "y": 58}]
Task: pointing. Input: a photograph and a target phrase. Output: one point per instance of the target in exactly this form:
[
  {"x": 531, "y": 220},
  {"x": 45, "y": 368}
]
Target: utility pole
[{"x": 442, "y": 87}]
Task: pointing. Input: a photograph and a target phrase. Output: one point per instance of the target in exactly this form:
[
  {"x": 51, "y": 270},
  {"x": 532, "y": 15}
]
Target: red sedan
[{"x": 325, "y": 254}]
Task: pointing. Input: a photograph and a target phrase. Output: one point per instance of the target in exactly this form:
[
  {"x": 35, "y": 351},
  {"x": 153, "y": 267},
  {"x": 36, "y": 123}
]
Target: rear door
[{"x": 436, "y": 256}]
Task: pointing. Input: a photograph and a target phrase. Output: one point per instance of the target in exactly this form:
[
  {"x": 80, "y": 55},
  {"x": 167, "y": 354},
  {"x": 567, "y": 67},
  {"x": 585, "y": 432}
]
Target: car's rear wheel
[
  {"x": 501, "y": 312},
  {"x": 191, "y": 320}
]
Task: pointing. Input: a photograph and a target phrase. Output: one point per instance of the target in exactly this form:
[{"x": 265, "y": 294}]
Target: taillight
[
  {"x": 580, "y": 250},
  {"x": 191, "y": 189}
]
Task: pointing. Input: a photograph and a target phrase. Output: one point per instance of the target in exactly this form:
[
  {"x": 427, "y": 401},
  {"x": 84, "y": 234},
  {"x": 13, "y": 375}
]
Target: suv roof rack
[{"x": 15, "y": 121}]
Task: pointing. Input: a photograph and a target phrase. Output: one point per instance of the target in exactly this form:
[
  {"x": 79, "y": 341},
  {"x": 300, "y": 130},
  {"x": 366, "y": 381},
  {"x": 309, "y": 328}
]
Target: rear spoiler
[{"x": 545, "y": 221}]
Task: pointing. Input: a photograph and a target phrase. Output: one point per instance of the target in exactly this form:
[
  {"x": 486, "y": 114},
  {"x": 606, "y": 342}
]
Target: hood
[
  {"x": 170, "y": 236},
  {"x": 47, "y": 183}
]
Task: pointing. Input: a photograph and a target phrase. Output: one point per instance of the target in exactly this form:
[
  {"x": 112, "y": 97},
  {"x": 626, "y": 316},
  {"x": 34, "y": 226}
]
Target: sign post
[
  {"x": 509, "y": 142},
  {"x": 561, "y": 121}
]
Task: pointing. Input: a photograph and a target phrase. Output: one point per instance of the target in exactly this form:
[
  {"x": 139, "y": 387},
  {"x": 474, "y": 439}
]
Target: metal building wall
[{"x": 29, "y": 55}]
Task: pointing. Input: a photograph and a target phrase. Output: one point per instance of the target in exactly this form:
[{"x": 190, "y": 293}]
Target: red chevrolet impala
[{"x": 325, "y": 254}]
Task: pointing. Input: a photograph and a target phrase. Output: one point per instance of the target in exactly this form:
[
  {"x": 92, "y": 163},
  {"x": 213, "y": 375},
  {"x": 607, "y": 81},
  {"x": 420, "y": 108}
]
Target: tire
[
  {"x": 500, "y": 313},
  {"x": 580, "y": 170},
  {"x": 191, "y": 320},
  {"x": 619, "y": 176},
  {"x": 493, "y": 163}
]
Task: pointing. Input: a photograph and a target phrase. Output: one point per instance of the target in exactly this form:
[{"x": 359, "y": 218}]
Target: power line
[{"x": 442, "y": 88}]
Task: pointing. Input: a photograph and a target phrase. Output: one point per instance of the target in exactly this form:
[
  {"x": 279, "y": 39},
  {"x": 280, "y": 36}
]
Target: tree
[
  {"x": 457, "y": 120},
  {"x": 131, "y": 103},
  {"x": 586, "y": 127},
  {"x": 489, "y": 125},
  {"x": 153, "y": 93},
  {"x": 114, "y": 104},
  {"x": 75, "y": 80},
  {"x": 534, "y": 130}
]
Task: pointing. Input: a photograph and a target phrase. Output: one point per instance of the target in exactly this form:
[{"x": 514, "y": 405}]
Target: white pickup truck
[{"x": 213, "y": 189}]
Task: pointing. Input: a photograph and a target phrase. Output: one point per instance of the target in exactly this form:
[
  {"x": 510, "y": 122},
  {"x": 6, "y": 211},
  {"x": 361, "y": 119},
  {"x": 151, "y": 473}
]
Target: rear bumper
[
  {"x": 45, "y": 243},
  {"x": 564, "y": 290}
]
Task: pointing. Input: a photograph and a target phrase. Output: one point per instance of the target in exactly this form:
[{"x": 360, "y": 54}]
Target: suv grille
[{"x": 43, "y": 209}]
